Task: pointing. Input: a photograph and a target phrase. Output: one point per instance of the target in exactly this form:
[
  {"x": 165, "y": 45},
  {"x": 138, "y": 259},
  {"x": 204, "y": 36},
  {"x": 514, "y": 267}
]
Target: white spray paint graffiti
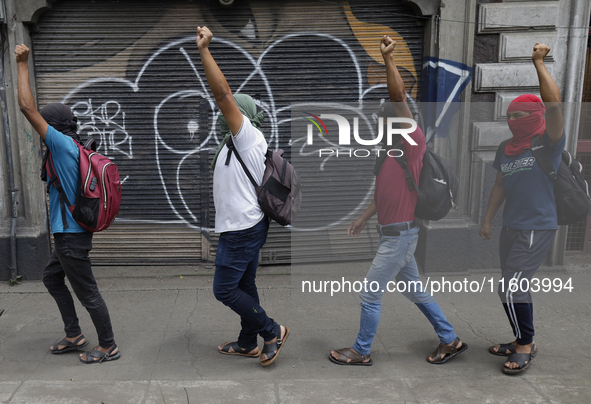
[
  {"x": 107, "y": 122},
  {"x": 108, "y": 119}
]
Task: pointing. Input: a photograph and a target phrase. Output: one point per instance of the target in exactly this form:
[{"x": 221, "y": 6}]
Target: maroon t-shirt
[{"x": 394, "y": 202}]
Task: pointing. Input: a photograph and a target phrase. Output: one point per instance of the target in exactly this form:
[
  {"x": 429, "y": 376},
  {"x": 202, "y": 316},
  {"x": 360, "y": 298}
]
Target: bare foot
[{"x": 80, "y": 343}]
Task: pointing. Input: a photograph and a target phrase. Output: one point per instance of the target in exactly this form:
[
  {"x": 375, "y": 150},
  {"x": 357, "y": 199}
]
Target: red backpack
[{"x": 99, "y": 194}]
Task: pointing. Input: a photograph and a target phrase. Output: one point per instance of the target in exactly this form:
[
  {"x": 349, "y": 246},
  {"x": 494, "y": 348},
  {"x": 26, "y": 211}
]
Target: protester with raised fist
[
  {"x": 395, "y": 205},
  {"x": 57, "y": 127},
  {"x": 239, "y": 219},
  {"x": 529, "y": 216}
]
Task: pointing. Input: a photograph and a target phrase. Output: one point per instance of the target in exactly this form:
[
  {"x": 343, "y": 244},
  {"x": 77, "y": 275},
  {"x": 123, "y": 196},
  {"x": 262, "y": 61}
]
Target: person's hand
[
  {"x": 540, "y": 51},
  {"x": 387, "y": 45},
  {"x": 22, "y": 53},
  {"x": 204, "y": 36},
  {"x": 356, "y": 227},
  {"x": 486, "y": 231}
]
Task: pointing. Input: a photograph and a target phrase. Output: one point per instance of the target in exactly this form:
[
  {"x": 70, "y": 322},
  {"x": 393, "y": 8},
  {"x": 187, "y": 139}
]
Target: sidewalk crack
[
  {"x": 471, "y": 327},
  {"x": 187, "y": 337},
  {"x": 167, "y": 327},
  {"x": 14, "y": 392}
]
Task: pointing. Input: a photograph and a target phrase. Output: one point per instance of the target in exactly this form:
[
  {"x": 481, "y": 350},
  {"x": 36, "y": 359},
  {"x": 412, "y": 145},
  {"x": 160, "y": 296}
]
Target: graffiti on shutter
[{"x": 131, "y": 72}]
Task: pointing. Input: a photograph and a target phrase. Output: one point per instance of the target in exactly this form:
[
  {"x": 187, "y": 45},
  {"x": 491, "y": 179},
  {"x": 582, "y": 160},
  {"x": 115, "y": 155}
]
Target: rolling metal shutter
[{"x": 132, "y": 73}]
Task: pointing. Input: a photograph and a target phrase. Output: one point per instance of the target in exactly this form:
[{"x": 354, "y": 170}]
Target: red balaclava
[{"x": 526, "y": 128}]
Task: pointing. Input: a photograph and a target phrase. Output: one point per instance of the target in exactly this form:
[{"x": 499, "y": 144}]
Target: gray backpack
[
  {"x": 571, "y": 191},
  {"x": 279, "y": 194}
]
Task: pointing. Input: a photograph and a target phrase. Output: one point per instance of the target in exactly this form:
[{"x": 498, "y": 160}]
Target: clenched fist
[
  {"x": 204, "y": 36},
  {"x": 22, "y": 53},
  {"x": 387, "y": 45},
  {"x": 540, "y": 51}
]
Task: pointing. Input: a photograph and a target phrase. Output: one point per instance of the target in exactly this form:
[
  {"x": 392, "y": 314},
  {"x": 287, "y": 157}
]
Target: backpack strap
[
  {"x": 538, "y": 150},
  {"x": 232, "y": 149},
  {"x": 90, "y": 145},
  {"x": 380, "y": 161},
  {"x": 501, "y": 149},
  {"x": 284, "y": 171},
  {"x": 402, "y": 161},
  {"x": 54, "y": 179}
]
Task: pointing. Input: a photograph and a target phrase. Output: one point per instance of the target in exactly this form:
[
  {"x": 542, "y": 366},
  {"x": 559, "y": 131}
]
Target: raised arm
[
  {"x": 550, "y": 94},
  {"x": 25, "y": 96},
  {"x": 217, "y": 82},
  {"x": 395, "y": 84}
]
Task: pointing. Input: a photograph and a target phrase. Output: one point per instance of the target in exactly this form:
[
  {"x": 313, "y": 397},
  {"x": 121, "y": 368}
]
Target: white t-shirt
[{"x": 236, "y": 204}]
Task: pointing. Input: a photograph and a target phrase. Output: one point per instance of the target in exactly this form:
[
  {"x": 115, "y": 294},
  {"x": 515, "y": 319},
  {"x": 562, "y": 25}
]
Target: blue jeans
[
  {"x": 395, "y": 260},
  {"x": 236, "y": 263}
]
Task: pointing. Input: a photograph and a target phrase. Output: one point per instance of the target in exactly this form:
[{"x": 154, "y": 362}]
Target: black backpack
[
  {"x": 438, "y": 184},
  {"x": 279, "y": 194},
  {"x": 571, "y": 191}
]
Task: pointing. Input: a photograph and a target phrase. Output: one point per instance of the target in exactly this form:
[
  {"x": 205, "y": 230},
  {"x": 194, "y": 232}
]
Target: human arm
[
  {"x": 358, "y": 225},
  {"x": 26, "y": 102},
  {"x": 396, "y": 88},
  {"x": 217, "y": 82},
  {"x": 496, "y": 199},
  {"x": 550, "y": 94}
]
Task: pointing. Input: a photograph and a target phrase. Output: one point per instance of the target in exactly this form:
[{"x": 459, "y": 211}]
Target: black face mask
[{"x": 60, "y": 117}]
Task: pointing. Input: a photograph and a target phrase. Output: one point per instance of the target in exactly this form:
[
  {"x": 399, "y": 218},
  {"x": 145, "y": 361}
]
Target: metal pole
[{"x": 14, "y": 276}]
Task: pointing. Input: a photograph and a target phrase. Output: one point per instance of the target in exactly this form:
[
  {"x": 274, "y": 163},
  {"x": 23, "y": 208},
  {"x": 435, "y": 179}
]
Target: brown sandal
[
  {"x": 443, "y": 353},
  {"x": 347, "y": 356}
]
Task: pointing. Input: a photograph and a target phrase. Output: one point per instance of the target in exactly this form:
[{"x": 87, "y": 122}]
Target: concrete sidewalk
[{"x": 168, "y": 327}]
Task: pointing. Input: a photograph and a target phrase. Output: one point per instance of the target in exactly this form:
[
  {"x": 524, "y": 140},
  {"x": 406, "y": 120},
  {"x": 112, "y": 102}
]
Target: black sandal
[
  {"x": 238, "y": 350},
  {"x": 523, "y": 360},
  {"x": 272, "y": 350},
  {"x": 69, "y": 345},
  {"x": 101, "y": 356},
  {"x": 503, "y": 348}
]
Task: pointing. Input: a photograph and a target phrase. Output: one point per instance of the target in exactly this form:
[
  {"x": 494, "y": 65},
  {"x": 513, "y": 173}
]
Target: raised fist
[
  {"x": 22, "y": 53},
  {"x": 387, "y": 45},
  {"x": 204, "y": 36},
  {"x": 540, "y": 51}
]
